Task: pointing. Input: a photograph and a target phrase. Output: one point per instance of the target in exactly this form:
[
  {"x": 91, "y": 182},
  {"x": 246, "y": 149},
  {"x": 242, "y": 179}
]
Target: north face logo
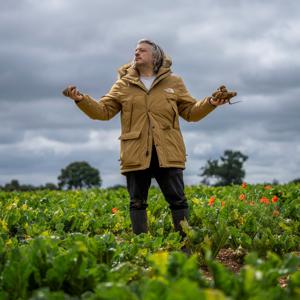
[{"x": 169, "y": 90}]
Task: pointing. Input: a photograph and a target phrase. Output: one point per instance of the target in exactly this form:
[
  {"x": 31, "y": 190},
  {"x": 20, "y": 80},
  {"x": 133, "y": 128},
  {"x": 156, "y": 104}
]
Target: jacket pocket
[
  {"x": 130, "y": 135},
  {"x": 174, "y": 146},
  {"x": 130, "y": 153}
]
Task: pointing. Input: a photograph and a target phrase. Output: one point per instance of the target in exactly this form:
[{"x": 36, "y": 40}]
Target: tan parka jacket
[{"x": 148, "y": 116}]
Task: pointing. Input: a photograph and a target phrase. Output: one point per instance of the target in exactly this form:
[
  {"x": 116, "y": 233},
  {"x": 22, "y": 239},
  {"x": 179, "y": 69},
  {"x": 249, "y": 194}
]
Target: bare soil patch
[{"x": 234, "y": 263}]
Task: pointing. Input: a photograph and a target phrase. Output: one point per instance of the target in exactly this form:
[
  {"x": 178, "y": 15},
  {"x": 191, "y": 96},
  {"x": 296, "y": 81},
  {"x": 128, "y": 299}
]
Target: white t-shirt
[{"x": 147, "y": 81}]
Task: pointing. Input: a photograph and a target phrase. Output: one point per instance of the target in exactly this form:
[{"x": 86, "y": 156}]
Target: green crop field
[{"x": 79, "y": 245}]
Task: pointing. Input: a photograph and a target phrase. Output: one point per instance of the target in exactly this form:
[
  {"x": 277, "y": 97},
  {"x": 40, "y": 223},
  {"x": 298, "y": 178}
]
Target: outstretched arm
[
  {"x": 192, "y": 110},
  {"x": 104, "y": 109}
]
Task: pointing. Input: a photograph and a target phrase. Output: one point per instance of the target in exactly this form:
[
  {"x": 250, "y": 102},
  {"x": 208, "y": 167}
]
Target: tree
[
  {"x": 48, "y": 186},
  {"x": 14, "y": 185},
  {"x": 228, "y": 171},
  {"x": 79, "y": 175},
  {"x": 296, "y": 180},
  {"x": 116, "y": 187}
]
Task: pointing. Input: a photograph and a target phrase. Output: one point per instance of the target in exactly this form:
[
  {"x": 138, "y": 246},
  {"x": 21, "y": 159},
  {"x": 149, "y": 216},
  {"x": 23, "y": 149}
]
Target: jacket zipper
[
  {"x": 149, "y": 124},
  {"x": 147, "y": 93}
]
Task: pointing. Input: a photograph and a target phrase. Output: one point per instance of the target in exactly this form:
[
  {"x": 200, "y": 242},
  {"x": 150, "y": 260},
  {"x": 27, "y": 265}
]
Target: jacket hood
[{"x": 127, "y": 69}]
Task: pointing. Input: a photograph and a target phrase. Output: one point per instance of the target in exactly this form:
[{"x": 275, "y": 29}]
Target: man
[{"x": 151, "y": 99}]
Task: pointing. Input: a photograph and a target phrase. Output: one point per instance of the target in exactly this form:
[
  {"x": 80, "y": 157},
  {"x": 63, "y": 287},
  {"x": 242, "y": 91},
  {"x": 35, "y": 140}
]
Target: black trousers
[{"x": 170, "y": 181}]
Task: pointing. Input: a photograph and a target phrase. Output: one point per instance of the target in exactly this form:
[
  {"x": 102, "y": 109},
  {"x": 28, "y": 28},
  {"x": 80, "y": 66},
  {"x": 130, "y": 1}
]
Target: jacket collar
[{"x": 128, "y": 73}]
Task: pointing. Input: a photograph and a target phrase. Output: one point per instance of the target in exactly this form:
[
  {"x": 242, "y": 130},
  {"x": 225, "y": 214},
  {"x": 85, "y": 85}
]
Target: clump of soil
[{"x": 233, "y": 261}]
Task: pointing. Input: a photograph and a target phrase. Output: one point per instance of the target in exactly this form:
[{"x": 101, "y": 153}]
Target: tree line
[
  {"x": 77, "y": 175},
  {"x": 227, "y": 170}
]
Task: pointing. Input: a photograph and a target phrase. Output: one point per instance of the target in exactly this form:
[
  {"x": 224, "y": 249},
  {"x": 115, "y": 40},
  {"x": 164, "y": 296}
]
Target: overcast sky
[{"x": 250, "y": 46}]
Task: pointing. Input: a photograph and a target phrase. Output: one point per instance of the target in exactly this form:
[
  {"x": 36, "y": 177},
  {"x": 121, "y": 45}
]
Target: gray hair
[{"x": 158, "y": 54}]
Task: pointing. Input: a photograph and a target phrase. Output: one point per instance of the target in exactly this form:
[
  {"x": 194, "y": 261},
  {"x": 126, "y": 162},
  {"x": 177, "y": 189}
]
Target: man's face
[{"x": 143, "y": 55}]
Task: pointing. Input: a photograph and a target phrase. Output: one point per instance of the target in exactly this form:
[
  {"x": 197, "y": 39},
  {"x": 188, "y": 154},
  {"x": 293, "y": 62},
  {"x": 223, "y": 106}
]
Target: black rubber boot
[
  {"x": 139, "y": 221},
  {"x": 178, "y": 216}
]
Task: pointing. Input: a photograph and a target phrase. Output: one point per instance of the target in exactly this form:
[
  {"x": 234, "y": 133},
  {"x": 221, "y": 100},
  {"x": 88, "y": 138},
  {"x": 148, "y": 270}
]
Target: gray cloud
[{"x": 252, "y": 47}]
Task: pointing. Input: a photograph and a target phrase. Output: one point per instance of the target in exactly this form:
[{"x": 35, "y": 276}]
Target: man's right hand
[
  {"x": 222, "y": 96},
  {"x": 72, "y": 93}
]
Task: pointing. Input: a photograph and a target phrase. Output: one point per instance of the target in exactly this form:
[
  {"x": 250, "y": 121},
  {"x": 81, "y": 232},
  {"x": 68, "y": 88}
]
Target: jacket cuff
[
  {"x": 78, "y": 101},
  {"x": 209, "y": 101}
]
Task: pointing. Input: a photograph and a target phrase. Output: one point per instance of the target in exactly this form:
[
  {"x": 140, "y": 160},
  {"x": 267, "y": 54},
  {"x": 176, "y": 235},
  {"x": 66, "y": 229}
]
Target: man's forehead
[{"x": 143, "y": 46}]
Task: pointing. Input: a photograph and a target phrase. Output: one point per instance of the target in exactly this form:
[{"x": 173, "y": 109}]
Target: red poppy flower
[
  {"x": 211, "y": 201},
  {"x": 242, "y": 197},
  {"x": 275, "y": 199},
  {"x": 264, "y": 200},
  {"x": 114, "y": 210},
  {"x": 244, "y": 185}
]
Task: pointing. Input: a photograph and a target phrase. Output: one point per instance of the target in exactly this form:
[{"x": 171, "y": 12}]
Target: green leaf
[
  {"x": 113, "y": 291},
  {"x": 183, "y": 289}
]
